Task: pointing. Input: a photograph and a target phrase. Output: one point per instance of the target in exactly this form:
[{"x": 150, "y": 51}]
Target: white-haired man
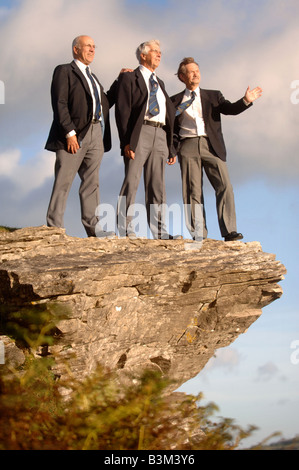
[{"x": 145, "y": 118}]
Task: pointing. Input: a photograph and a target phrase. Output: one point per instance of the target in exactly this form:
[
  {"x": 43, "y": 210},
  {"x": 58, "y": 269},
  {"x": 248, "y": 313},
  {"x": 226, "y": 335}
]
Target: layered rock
[{"x": 131, "y": 304}]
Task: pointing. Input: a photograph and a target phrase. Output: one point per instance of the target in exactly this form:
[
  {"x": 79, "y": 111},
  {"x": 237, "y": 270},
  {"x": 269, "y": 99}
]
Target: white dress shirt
[
  {"x": 161, "y": 117},
  {"x": 191, "y": 121},
  {"x": 82, "y": 68}
]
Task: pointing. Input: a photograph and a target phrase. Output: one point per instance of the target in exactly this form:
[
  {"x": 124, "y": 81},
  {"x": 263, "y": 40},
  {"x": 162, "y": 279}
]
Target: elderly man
[
  {"x": 145, "y": 117},
  {"x": 200, "y": 143},
  {"x": 79, "y": 135}
]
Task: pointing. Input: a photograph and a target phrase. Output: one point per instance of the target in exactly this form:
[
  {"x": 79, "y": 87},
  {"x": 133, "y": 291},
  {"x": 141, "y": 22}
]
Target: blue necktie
[
  {"x": 98, "y": 111},
  {"x": 153, "y": 102},
  {"x": 183, "y": 106}
]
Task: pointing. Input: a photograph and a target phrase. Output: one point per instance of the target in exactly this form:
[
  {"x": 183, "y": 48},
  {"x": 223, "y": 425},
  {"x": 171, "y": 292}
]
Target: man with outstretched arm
[{"x": 200, "y": 144}]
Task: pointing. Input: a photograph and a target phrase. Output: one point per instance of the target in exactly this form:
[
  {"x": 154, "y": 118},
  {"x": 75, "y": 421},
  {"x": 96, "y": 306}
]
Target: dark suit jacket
[
  {"x": 130, "y": 109},
  {"x": 73, "y": 107},
  {"x": 213, "y": 105}
]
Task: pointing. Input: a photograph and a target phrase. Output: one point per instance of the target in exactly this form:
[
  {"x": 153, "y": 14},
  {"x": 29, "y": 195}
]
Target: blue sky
[{"x": 236, "y": 44}]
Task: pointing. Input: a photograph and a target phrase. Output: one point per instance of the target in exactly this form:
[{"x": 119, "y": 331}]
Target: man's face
[
  {"x": 152, "y": 59},
  {"x": 85, "y": 52},
  {"x": 192, "y": 76}
]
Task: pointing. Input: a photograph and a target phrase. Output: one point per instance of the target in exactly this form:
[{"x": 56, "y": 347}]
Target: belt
[
  {"x": 95, "y": 121},
  {"x": 193, "y": 137},
  {"x": 154, "y": 124}
]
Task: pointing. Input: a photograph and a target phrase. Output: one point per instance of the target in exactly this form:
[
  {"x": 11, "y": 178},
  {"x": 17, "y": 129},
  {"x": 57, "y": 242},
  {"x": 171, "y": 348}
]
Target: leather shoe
[
  {"x": 131, "y": 235},
  {"x": 233, "y": 236},
  {"x": 103, "y": 234},
  {"x": 166, "y": 236}
]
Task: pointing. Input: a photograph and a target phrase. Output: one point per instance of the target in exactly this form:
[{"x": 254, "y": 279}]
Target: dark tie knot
[{"x": 153, "y": 82}]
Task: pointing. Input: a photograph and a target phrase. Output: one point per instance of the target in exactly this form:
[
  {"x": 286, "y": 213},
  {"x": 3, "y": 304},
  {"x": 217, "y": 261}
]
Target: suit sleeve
[
  {"x": 228, "y": 108},
  {"x": 60, "y": 98},
  {"x": 123, "y": 108},
  {"x": 112, "y": 93}
]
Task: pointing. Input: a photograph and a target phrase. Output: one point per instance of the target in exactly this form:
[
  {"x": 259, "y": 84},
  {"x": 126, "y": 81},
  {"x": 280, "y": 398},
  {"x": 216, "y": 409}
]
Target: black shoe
[
  {"x": 166, "y": 236},
  {"x": 233, "y": 236},
  {"x": 131, "y": 235}
]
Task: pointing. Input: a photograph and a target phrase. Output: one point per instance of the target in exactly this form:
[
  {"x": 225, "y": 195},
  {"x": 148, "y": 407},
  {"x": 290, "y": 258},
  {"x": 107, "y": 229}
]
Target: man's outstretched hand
[{"x": 252, "y": 95}]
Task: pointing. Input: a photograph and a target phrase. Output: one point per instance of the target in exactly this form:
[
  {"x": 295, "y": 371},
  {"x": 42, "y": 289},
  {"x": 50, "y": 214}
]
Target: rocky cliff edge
[{"x": 134, "y": 304}]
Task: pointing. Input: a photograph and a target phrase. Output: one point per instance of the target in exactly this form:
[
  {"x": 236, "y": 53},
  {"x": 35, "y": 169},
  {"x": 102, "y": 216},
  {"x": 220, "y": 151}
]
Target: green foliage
[
  {"x": 98, "y": 414},
  {"x": 7, "y": 229},
  {"x": 31, "y": 326},
  {"x": 38, "y": 411}
]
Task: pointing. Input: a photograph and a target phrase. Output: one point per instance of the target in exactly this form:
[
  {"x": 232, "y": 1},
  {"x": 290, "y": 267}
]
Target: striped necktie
[
  {"x": 183, "y": 106},
  {"x": 153, "y": 102},
  {"x": 98, "y": 111}
]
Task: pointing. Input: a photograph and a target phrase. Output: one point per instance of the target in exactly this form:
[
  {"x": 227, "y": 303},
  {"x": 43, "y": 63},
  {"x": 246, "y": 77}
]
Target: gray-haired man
[{"x": 146, "y": 133}]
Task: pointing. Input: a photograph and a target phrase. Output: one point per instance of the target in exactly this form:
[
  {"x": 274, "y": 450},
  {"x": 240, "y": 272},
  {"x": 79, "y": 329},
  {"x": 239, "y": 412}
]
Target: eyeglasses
[
  {"x": 156, "y": 51},
  {"x": 90, "y": 46}
]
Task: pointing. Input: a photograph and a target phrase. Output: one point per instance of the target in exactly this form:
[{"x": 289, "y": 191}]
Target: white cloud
[
  {"x": 25, "y": 176},
  {"x": 235, "y": 48},
  {"x": 8, "y": 162},
  {"x": 252, "y": 45},
  {"x": 226, "y": 358}
]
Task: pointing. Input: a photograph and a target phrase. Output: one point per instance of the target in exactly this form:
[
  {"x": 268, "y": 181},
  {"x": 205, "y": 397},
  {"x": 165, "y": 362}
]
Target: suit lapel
[
  {"x": 80, "y": 75},
  {"x": 204, "y": 104},
  {"x": 161, "y": 85},
  {"x": 178, "y": 98},
  {"x": 100, "y": 86},
  {"x": 140, "y": 82}
]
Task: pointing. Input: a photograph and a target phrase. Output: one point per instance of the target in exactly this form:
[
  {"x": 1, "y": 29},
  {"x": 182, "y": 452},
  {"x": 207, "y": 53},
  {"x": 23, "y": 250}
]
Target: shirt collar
[
  {"x": 81, "y": 66},
  {"x": 188, "y": 92},
  {"x": 145, "y": 71}
]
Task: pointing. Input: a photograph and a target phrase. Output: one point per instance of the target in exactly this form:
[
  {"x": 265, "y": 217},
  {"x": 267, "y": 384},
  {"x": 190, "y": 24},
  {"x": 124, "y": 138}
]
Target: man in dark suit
[
  {"x": 145, "y": 118},
  {"x": 199, "y": 140},
  {"x": 80, "y": 134}
]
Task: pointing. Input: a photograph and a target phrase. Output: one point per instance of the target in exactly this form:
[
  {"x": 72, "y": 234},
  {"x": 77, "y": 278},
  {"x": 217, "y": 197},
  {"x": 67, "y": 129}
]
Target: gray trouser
[
  {"x": 195, "y": 154},
  {"x": 150, "y": 157},
  {"x": 86, "y": 162}
]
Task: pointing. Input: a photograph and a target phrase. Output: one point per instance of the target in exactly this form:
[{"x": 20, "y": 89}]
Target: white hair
[
  {"x": 76, "y": 41},
  {"x": 145, "y": 47}
]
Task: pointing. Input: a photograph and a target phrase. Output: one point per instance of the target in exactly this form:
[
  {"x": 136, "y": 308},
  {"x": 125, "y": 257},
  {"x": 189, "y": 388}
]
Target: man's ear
[{"x": 181, "y": 77}]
